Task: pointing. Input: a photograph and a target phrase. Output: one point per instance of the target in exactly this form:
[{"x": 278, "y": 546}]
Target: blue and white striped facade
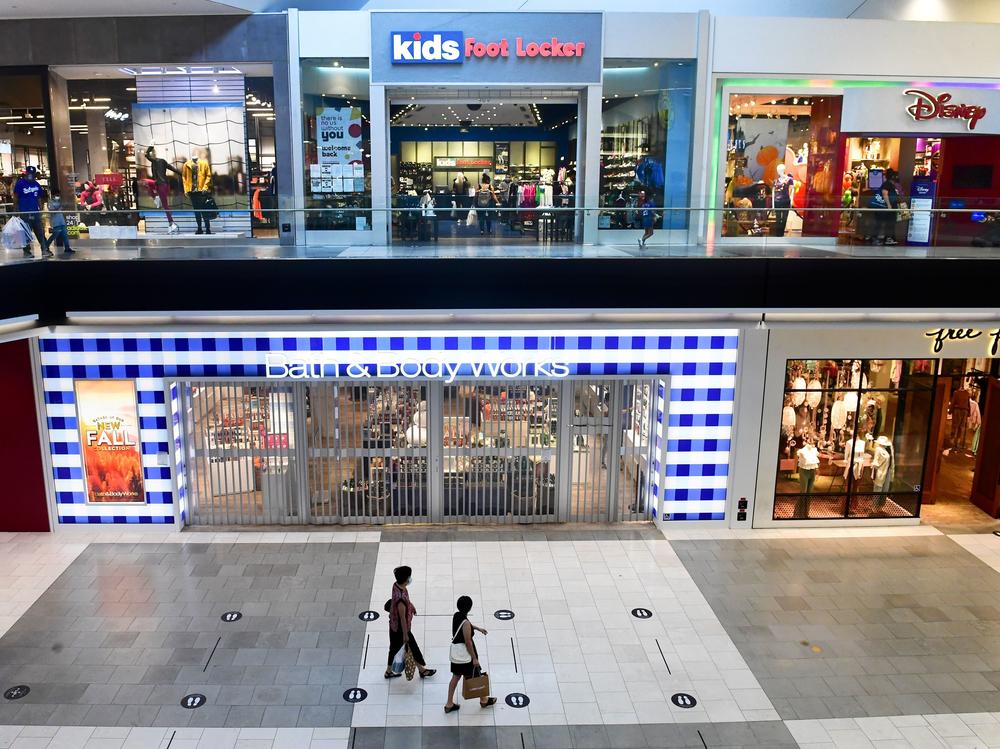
[{"x": 700, "y": 363}]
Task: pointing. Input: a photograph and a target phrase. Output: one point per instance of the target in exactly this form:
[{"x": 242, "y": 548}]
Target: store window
[
  {"x": 171, "y": 150},
  {"x": 337, "y": 144},
  {"x": 784, "y": 165},
  {"x": 853, "y": 438},
  {"x": 23, "y": 140},
  {"x": 646, "y": 125}
]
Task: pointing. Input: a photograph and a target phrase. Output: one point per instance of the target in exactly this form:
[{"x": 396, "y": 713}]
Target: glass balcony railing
[{"x": 523, "y": 231}]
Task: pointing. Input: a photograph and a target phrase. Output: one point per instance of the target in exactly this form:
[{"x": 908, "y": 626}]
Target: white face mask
[{"x": 409, "y": 581}]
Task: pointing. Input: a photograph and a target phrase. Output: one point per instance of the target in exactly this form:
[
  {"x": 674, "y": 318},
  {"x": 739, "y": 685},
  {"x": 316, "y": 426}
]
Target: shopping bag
[
  {"x": 398, "y": 660},
  {"x": 409, "y": 665},
  {"x": 16, "y": 234},
  {"x": 211, "y": 207},
  {"x": 476, "y": 687},
  {"x": 471, "y": 219}
]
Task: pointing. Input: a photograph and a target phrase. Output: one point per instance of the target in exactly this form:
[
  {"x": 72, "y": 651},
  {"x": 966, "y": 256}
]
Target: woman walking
[
  {"x": 401, "y": 613},
  {"x": 463, "y": 631}
]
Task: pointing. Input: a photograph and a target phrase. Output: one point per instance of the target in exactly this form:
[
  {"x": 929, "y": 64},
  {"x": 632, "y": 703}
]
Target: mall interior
[{"x": 612, "y": 376}]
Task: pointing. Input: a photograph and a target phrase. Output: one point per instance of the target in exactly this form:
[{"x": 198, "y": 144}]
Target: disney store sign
[
  {"x": 928, "y": 106},
  {"x": 941, "y": 336}
]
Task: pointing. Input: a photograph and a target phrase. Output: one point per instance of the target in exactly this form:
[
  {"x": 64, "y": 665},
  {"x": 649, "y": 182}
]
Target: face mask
[{"x": 409, "y": 581}]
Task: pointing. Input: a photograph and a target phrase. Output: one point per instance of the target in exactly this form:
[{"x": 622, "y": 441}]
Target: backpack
[{"x": 484, "y": 199}]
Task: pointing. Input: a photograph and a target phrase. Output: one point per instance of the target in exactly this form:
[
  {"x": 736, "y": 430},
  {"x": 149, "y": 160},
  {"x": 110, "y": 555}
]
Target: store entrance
[
  {"x": 484, "y": 166},
  {"x": 963, "y": 464},
  {"x": 504, "y": 451}
]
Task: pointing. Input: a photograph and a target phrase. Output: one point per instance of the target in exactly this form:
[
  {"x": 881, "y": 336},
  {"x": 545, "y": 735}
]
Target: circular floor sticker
[
  {"x": 16, "y": 693},
  {"x": 368, "y": 616},
  {"x": 516, "y": 699},
  {"x": 642, "y": 613},
  {"x": 355, "y": 694},
  {"x": 192, "y": 701},
  {"x": 504, "y": 615},
  {"x": 683, "y": 700},
  {"x": 232, "y": 616}
]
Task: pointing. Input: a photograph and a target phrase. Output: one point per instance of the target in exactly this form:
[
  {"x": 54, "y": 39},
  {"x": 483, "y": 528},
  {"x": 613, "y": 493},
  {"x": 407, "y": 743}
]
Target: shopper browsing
[
  {"x": 486, "y": 200},
  {"x": 28, "y": 198},
  {"x": 57, "y": 224},
  {"x": 646, "y": 213},
  {"x": 401, "y": 613},
  {"x": 464, "y": 656}
]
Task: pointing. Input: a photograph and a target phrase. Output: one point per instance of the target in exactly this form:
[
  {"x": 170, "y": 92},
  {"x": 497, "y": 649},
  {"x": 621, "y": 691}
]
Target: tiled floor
[
  {"x": 844, "y": 628},
  {"x": 818, "y": 638}
]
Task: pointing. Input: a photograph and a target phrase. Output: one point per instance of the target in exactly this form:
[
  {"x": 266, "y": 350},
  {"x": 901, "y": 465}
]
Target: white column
[
  {"x": 744, "y": 451},
  {"x": 588, "y": 188},
  {"x": 379, "y": 108},
  {"x": 295, "y": 125},
  {"x": 702, "y": 177}
]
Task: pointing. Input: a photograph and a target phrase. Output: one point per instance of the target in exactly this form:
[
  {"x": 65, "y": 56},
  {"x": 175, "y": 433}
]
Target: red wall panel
[{"x": 22, "y": 496}]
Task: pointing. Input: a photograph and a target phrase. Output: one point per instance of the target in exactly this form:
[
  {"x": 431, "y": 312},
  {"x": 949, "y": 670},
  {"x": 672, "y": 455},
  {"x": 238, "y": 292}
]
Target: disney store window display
[{"x": 853, "y": 438}]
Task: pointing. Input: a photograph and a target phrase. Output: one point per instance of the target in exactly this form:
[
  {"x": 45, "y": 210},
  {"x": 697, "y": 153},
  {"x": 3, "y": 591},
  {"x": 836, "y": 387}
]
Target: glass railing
[{"x": 524, "y": 230}]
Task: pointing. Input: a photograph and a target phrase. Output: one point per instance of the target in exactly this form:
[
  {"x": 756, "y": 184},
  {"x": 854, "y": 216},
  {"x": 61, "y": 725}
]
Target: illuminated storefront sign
[
  {"x": 928, "y": 106},
  {"x": 281, "y": 366},
  {"x": 941, "y": 336},
  {"x": 436, "y": 47}
]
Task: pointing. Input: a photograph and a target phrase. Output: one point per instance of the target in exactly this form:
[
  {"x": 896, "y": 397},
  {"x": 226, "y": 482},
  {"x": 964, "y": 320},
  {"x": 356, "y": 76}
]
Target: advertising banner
[
  {"x": 338, "y": 135},
  {"x": 501, "y": 157},
  {"x": 109, "y": 435}
]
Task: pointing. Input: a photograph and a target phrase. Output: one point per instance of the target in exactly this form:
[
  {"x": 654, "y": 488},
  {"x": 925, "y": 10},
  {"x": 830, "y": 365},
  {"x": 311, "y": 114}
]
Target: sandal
[
  {"x": 391, "y": 675},
  {"x": 489, "y": 703},
  {"x": 427, "y": 672},
  {"x": 451, "y": 709}
]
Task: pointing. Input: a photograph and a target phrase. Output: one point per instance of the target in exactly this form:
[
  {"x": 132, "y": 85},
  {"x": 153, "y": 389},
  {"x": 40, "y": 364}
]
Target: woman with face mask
[{"x": 401, "y": 613}]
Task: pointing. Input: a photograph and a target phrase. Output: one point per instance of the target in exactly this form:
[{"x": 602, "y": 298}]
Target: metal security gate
[
  {"x": 367, "y": 452},
  {"x": 613, "y": 443},
  {"x": 513, "y": 451},
  {"x": 241, "y": 452},
  {"x": 499, "y": 451}
]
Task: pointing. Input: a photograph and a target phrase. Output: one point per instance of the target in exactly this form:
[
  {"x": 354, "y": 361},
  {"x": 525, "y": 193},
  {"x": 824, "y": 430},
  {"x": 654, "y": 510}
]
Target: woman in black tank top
[{"x": 463, "y": 631}]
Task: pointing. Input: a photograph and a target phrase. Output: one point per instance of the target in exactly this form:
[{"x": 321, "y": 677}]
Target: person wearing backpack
[{"x": 486, "y": 199}]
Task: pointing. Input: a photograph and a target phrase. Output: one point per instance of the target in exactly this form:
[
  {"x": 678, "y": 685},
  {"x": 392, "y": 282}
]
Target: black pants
[
  {"x": 34, "y": 221},
  {"x": 780, "y": 219},
  {"x": 198, "y": 203},
  {"x": 396, "y": 642}
]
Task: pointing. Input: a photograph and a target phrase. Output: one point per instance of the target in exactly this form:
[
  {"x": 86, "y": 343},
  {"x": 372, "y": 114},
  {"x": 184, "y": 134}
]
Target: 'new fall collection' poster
[{"x": 109, "y": 433}]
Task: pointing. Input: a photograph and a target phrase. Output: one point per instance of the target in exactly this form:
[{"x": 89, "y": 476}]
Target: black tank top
[{"x": 456, "y": 620}]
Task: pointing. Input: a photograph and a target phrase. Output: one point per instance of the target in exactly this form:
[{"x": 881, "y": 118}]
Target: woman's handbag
[
  {"x": 459, "y": 654},
  {"x": 476, "y": 687}
]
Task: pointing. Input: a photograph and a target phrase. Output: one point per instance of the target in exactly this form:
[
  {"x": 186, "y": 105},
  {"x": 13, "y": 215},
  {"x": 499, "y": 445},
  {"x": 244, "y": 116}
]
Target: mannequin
[
  {"x": 781, "y": 200},
  {"x": 197, "y": 178},
  {"x": 808, "y": 463},
  {"x": 854, "y": 457},
  {"x": 160, "y": 188},
  {"x": 883, "y": 466},
  {"x": 959, "y": 405}
]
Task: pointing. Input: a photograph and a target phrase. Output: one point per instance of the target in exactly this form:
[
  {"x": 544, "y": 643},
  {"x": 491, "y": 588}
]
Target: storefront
[
  {"x": 808, "y": 159},
  {"x": 493, "y": 425},
  {"x": 548, "y": 111},
  {"x": 880, "y": 424},
  {"x": 86, "y": 122}
]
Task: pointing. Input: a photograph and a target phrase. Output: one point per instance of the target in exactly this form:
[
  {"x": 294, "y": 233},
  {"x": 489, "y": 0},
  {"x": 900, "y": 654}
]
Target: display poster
[
  {"x": 501, "y": 157},
  {"x": 921, "y": 202},
  {"x": 765, "y": 146},
  {"x": 109, "y": 435},
  {"x": 338, "y": 135},
  {"x": 112, "y": 180}
]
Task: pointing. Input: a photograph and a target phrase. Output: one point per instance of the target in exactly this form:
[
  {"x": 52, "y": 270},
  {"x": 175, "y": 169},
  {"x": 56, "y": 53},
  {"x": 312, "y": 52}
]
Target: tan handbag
[
  {"x": 409, "y": 664},
  {"x": 476, "y": 687}
]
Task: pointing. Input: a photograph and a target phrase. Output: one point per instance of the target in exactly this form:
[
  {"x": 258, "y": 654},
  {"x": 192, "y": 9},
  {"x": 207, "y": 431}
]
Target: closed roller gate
[{"x": 415, "y": 452}]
